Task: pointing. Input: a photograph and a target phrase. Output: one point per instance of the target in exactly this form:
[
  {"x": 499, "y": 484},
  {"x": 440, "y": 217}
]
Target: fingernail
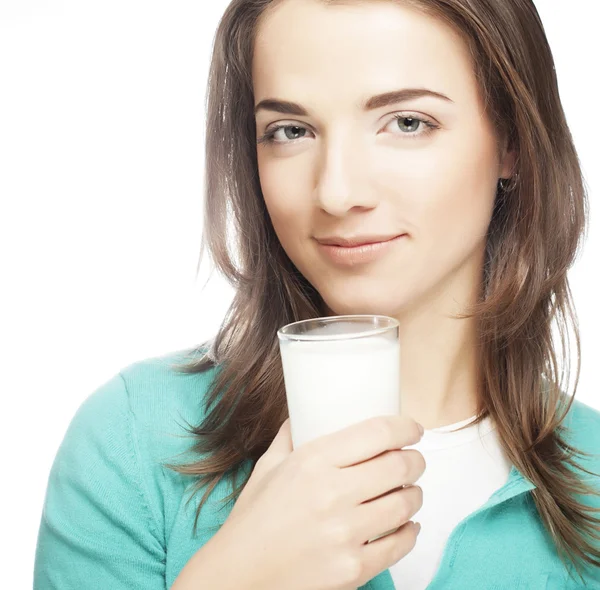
[
  {"x": 418, "y": 527},
  {"x": 421, "y": 429}
]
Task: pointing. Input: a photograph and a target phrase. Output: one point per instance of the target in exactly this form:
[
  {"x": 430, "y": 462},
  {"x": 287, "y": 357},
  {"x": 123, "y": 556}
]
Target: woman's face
[{"x": 423, "y": 167}]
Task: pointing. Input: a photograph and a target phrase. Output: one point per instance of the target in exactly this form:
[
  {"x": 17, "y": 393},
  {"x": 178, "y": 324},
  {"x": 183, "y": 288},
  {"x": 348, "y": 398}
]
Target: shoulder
[
  {"x": 155, "y": 386},
  {"x": 131, "y": 425},
  {"x": 164, "y": 402},
  {"x": 144, "y": 396},
  {"x": 142, "y": 412},
  {"x": 583, "y": 424},
  {"x": 582, "y": 431},
  {"x": 107, "y": 487}
]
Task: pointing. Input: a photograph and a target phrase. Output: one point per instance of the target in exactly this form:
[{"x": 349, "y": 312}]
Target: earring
[{"x": 504, "y": 182}]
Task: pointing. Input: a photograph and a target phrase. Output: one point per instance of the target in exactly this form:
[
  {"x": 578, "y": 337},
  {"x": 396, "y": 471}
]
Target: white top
[{"x": 463, "y": 469}]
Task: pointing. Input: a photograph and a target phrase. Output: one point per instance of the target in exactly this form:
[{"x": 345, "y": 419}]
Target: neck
[
  {"x": 439, "y": 357},
  {"x": 438, "y": 378}
]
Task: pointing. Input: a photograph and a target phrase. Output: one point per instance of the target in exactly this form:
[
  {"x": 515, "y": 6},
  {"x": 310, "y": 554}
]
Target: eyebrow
[{"x": 375, "y": 102}]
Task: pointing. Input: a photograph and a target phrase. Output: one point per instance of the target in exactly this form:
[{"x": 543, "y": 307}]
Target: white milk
[{"x": 332, "y": 384}]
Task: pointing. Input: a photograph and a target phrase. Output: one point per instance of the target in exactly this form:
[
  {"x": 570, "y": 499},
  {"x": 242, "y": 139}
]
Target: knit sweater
[{"x": 114, "y": 518}]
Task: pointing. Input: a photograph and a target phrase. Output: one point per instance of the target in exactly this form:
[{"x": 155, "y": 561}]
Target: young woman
[{"x": 435, "y": 125}]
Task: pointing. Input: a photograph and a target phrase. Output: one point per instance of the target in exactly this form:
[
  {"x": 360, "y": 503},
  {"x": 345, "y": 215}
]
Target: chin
[{"x": 357, "y": 305}]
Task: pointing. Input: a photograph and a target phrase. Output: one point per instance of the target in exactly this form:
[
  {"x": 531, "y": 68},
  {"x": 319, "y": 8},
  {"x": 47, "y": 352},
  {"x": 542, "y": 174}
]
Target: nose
[{"x": 341, "y": 184}]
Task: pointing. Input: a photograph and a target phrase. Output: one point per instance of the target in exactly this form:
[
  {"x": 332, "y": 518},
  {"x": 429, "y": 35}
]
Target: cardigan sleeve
[{"x": 97, "y": 529}]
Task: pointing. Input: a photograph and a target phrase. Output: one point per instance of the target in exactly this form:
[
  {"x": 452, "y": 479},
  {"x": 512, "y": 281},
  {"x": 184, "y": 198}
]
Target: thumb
[
  {"x": 282, "y": 445},
  {"x": 279, "y": 449}
]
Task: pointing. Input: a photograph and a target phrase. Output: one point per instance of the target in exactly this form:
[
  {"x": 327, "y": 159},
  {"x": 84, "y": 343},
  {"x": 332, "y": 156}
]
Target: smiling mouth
[
  {"x": 358, "y": 254},
  {"x": 356, "y": 241}
]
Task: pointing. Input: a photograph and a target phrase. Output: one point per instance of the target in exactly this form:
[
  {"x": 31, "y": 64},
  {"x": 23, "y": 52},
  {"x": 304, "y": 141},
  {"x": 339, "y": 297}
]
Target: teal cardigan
[{"x": 115, "y": 519}]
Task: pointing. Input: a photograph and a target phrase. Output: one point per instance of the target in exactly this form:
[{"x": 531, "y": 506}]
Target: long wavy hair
[{"x": 535, "y": 233}]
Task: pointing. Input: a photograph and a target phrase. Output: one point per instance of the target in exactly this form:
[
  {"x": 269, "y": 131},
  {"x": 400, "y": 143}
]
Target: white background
[{"x": 101, "y": 170}]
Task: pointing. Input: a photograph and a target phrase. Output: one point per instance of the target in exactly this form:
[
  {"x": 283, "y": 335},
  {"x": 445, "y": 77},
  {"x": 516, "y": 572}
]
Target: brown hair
[{"x": 535, "y": 232}]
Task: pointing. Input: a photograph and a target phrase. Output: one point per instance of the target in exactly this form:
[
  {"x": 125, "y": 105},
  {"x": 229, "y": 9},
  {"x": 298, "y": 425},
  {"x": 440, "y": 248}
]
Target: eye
[
  {"x": 290, "y": 133},
  {"x": 412, "y": 126}
]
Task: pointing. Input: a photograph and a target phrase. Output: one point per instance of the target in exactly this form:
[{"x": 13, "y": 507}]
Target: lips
[
  {"x": 351, "y": 256},
  {"x": 357, "y": 241}
]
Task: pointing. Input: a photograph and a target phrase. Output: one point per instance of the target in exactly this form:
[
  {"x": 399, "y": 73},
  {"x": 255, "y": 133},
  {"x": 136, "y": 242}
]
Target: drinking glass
[{"x": 338, "y": 371}]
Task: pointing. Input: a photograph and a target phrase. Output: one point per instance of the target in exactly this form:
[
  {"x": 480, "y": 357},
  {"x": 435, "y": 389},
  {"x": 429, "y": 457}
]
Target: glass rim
[{"x": 283, "y": 333}]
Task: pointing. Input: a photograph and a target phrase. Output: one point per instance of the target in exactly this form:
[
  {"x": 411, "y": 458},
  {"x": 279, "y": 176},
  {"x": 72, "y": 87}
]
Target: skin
[{"x": 343, "y": 170}]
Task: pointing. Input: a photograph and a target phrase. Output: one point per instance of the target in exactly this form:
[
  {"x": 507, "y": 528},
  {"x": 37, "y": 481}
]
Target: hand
[{"x": 304, "y": 518}]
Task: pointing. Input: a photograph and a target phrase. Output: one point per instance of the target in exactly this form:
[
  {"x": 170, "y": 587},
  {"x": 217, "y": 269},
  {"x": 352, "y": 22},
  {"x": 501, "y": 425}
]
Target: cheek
[
  {"x": 286, "y": 202},
  {"x": 467, "y": 194},
  {"x": 459, "y": 210},
  {"x": 446, "y": 194}
]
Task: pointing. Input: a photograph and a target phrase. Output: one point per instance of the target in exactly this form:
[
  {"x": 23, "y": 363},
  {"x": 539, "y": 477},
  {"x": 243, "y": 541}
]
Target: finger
[
  {"x": 383, "y": 473},
  {"x": 388, "y": 513},
  {"x": 383, "y": 553},
  {"x": 367, "y": 439}
]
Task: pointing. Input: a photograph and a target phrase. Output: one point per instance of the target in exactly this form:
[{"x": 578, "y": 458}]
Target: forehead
[{"x": 306, "y": 49}]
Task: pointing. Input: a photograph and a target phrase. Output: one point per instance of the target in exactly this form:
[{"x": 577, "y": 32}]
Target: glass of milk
[{"x": 338, "y": 371}]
